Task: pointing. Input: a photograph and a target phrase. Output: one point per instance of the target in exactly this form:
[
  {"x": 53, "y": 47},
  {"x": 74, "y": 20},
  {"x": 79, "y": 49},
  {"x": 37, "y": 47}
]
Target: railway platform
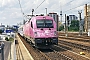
[{"x": 21, "y": 51}]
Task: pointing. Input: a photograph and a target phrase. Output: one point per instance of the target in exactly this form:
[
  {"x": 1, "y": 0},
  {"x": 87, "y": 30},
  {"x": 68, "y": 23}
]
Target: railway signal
[
  {"x": 67, "y": 20},
  {"x": 32, "y": 11},
  {"x": 80, "y": 27},
  {"x": 66, "y": 24}
]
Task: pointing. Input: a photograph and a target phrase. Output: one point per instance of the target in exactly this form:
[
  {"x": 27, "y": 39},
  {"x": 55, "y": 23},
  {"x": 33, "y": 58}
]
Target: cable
[
  {"x": 20, "y": 7},
  {"x": 73, "y": 8},
  {"x": 68, "y": 2},
  {"x": 76, "y": 7},
  {"x": 65, "y": 4},
  {"x": 39, "y": 5},
  {"x": 21, "y": 11}
]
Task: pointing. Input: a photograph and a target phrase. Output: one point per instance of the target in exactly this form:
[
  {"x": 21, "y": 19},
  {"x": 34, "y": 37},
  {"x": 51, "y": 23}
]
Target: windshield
[{"x": 44, "y": 23}]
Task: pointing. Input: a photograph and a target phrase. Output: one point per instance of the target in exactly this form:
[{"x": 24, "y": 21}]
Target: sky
[{"x": 12, "y": 14}]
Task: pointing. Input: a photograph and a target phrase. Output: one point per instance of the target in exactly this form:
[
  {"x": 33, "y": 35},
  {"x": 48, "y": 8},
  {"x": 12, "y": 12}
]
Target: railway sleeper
[
  {"x": 87, "y": 48},
  {"x": 64, "y": 56},
  {"x": 83, "y": 40}
]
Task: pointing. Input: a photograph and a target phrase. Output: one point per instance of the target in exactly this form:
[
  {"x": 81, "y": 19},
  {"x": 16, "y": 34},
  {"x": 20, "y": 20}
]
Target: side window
[{"x": 31, "y": 25}]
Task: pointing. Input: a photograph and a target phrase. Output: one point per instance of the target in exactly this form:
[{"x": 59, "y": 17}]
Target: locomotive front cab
[{"x": 45, "y": 34}]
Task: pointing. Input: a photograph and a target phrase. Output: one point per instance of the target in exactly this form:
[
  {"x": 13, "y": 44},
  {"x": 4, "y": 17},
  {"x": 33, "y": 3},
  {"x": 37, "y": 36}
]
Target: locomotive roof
[{"x": 44, "y": 17}]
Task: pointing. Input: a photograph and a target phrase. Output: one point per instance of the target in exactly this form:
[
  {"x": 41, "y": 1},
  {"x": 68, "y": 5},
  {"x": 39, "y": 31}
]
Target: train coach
[
  {"x": 41, "y": 31},
  {"x": 20, "y": 30}
]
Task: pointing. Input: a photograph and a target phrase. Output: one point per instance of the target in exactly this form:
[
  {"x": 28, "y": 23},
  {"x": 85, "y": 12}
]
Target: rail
[
  {"x": 87, "y": 48},
  {"x": 63, "y": 55}
]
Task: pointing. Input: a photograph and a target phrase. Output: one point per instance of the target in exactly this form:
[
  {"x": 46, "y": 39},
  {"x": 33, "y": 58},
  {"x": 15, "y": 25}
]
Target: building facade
[
  {"x": 2, "y": 27},
  {"x": 73, "y": 17},
  {"x": 55, "y": 17}
]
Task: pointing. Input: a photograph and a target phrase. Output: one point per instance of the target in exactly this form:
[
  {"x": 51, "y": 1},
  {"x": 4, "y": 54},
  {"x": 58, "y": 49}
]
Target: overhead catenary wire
[
  {"x": 21, "y": 7},
  {"x": 39, "y": 5},
  {"x": 65, "y": 4},
  {"x": 21, "y": 11},
  {"x": 68, "y": 2},
  {"x": 73, "y": 8},
  {"x": 76, "y": 7}
]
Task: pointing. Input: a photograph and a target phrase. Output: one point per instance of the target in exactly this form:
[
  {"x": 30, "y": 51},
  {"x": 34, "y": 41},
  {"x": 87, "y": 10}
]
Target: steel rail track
[
  {"x": 37, "y": 55},
  {"x": 73, "y": 55},
  {"x": 55, "y": 55},
  {"x": 76, "y": 38},
  {"x": 63, "y": 55},
  {"x": 41, "y": 55},
  {"x": 80, "y": 46}
]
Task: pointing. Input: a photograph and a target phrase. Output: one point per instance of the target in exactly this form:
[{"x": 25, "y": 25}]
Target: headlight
[
  {"x": 35, "y": 33},
  {"x": 55, "y": 33}
]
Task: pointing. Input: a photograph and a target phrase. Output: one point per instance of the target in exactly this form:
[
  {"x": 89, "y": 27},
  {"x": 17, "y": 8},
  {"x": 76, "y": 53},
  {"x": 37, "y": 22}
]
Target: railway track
[
  {"x": 76, "y": 44},
  {"x": 72, "y": 34},
  {"x": 40, "y": 55},
  {"x": 76, "y": 51},
  {"x": 33, "y": 51},
  {"x": 69, "y": 52},
  {"x": 79, "y": 46},
  {"x": 81, "y": 42},
  {"x": 77, "y": 38},
  {"x": 57, "y": 53},
  {"x": 53, "y": 54}
]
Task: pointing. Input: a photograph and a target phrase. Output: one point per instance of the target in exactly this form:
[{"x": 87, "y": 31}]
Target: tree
[
  {"x": 61, "y": 27},
  {"x": 74, "y": 25}
]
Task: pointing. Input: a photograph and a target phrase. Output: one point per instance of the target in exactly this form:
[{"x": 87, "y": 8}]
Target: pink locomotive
[{"x": 41, "y": 31}]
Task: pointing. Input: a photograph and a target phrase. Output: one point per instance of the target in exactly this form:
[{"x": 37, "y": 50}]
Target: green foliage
[
  {"x": 9, "y": 39},
  {"x": 61, "y": 27},
  {"x": 6, "y": 38},
  {"x": 74, "y": 25}
]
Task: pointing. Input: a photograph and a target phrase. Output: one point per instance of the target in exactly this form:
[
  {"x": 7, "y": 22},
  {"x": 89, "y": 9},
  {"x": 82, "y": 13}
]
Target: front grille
[{"x": 45, "y": 41}]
